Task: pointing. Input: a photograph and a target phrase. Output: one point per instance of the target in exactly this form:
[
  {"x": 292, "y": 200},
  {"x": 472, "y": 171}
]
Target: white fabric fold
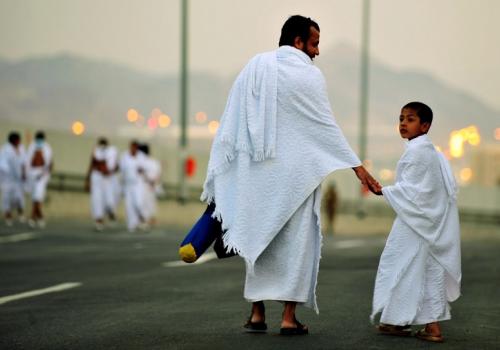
[
  {"x": 423, "y": 198},
  {"x": 256, "y": 195}
]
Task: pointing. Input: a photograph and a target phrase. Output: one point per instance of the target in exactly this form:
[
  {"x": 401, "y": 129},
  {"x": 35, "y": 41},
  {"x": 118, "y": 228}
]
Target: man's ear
[{"x": 298, "y": 43}]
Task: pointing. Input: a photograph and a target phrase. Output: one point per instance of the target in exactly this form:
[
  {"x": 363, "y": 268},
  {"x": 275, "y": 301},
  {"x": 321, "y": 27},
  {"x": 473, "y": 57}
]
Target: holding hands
[{"x": 367, "y": 180}]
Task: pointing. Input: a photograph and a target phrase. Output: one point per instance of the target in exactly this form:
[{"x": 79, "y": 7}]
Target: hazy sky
[{"x": 455, "y": 40}]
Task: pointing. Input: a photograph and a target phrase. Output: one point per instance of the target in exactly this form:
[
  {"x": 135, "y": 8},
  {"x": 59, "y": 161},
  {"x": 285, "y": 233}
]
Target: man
[
  {"x": 132, "y": 168},
  {"x": 12, "y": 167},
  {"x": 99, "y": 184},
  {"x": 39, "y": 165},
  {"x": 278, "y": 122}
]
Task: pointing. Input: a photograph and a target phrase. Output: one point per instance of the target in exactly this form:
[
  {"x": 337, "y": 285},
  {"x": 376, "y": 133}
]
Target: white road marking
[
  {"x": 34, "y": 293},
  {"x": 25, "y": 236},
  {"x": 203, "y": 259}
]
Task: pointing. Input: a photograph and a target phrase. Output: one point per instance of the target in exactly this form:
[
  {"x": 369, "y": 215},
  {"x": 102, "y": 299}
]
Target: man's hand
[{"x": 368, "y": 180}]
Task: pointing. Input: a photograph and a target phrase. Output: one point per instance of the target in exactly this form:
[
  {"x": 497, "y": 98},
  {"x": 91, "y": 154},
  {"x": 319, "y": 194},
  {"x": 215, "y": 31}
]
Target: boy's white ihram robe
[
  {"x": 276, "y": 143},
  {"x": 420, "y": 270}
]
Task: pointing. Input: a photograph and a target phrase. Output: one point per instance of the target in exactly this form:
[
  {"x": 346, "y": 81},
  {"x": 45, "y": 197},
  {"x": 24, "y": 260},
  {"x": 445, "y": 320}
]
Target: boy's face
[{"x": 410, "y": 125}]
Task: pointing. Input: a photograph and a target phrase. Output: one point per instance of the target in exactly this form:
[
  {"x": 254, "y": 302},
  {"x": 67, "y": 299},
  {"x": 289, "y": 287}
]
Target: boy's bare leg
[{"x": 433, "y": 329}]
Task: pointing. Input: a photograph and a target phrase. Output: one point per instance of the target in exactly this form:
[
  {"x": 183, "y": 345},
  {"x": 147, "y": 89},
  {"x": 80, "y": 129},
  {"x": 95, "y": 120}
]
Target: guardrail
[{"x": 67, "y": 182}]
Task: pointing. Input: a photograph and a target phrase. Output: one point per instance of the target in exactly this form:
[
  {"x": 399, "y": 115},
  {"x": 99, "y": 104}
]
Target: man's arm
[{"x": 367, "y": 180}]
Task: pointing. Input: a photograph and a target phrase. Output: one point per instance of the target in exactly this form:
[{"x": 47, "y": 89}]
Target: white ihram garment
[
  {"x": 101, "y": 197},
  {"x": 152, "y": 174},
  {"x": 133, "y": 187},
  {"x": 12, "y": 162},
  {"x": 39, "y": 176},
  {"x": 420, "y": 269},
  {"x": 113, "y": 188},
  {"x": 276, "y": 143}
]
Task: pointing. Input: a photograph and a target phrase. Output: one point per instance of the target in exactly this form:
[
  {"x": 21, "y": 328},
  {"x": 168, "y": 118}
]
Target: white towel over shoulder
[{"x": 260, "y": 172}]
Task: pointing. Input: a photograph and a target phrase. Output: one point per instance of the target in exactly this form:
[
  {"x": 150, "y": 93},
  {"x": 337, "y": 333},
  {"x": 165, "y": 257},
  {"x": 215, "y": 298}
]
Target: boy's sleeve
[{"x": 413, "y": 197}]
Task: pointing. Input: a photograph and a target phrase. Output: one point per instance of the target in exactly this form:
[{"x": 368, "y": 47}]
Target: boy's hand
[{"x": 368, "y": 180}]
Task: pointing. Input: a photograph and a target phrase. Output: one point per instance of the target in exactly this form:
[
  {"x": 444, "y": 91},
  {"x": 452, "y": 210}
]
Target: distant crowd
[{"x": 134, "y": 176}]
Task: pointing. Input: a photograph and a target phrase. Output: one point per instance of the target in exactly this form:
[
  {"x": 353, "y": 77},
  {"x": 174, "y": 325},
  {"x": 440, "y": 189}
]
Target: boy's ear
[{"x": 424, "y": 127}]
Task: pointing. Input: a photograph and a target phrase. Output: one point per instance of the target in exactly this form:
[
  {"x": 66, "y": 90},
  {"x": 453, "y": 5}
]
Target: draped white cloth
[
  {"x": 277, "y": 141},
  {"x": 152, "y": 178},
  {"x": 132, "y": 168},
  {"x": 420, "y": 269},
  {"x": 12, "y": 163},
  {"x": 103, "y": 197},
  {"x": 38, "y": 176}
]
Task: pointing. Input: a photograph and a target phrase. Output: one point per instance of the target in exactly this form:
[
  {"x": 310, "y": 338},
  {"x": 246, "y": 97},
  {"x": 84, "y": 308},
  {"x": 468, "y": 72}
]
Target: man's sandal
[
  {"x": 424, "y": 335},
  {"x": 255, "y": 327},
  {"x": 389, "y": 329},
  {"x": 299, "y": 330}
]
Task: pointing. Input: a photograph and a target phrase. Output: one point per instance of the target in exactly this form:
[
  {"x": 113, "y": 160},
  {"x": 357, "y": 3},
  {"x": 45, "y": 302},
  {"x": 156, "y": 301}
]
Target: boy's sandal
[
  {"x": 424, "y": 335},
  {"x": 299, "y": 330},
  {"x": 389, "y": 329},
  {"x": 255, "y": 327}
]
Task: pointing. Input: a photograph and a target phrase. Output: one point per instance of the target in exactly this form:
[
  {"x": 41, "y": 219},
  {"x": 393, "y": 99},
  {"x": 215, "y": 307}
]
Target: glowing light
[
  {"x": 132, "y": 115},
  {"x": 386, "y": 174},
  {"x": 152, "y": 123},
  {"x": 458, "y": 138},
  {"x": 456, "y": 144},
  {"x": 438, "y": 148},
  {"x": 213, "y": 126},
  {"x": 466, "y": 175},
  {"x": 201, "y": 117},
  {"x": 78, "y": 128},
  {"x": 497, "y": 134},
  {"x": 164, "y": 121}
]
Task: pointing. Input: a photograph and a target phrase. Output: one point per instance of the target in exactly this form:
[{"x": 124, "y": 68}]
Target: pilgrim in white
[
  {"x": 39, "y": 167},
  {"x": 132, "y": 168},
  {"x": 420, "y": 270},
  {"x": 13, "y": 178},
  {"x": 98, "y": 181},
  {"x": 276, "y": 143}
]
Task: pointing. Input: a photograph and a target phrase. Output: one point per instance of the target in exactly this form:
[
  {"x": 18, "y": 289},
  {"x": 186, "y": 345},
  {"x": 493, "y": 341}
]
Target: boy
[
  {"x": 419, "y": 270},
  {"x": 39, "y": 167}
]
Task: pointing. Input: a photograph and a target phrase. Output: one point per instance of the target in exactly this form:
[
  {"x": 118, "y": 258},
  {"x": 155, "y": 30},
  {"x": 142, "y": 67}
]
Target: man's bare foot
[
  {"x": 258, "y": 312},
  {"x": 289, "y": 324}
]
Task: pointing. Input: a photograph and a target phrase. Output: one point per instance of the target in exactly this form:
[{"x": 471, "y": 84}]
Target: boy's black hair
[
  {"x": 13, "y": 137},
  {"x": 40, "y": 135},
  {"x": 296, "y": 26},
  {"x": 423, "y": 111}
]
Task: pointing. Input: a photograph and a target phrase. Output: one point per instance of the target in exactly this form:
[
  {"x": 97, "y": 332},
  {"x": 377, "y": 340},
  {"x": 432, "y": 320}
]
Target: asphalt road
[{"x": 128, "y": 298}]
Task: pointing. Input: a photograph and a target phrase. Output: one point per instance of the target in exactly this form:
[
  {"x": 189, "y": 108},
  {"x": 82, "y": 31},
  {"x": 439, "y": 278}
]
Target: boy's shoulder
[{"x": 422, "y": 152}]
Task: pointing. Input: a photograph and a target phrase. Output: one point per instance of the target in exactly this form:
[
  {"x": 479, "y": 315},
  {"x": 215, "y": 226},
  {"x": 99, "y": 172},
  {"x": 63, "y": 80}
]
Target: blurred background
[{"x": 81, "y": 69}]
